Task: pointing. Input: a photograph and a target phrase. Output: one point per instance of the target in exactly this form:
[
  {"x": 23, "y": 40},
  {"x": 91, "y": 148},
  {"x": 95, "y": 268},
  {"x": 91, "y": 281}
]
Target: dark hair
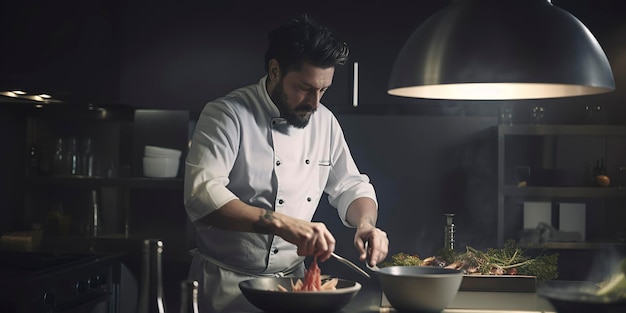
[{"x": 302, "y": 40}]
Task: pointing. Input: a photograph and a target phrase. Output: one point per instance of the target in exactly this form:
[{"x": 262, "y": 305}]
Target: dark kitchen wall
[
  {"x": 69, "y": 48},
  {"x": 166, "y": 54},
  {"x": 423, "y": 167},
  {"x": 12, "y": 165},
  {"x": 186, "y": 53}
]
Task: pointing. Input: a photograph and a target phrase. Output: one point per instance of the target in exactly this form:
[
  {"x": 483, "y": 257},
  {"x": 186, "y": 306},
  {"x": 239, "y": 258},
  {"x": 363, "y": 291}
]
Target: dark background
[
  {"x": 425, "y": 157},
  {"x": 167, "y": 54}
]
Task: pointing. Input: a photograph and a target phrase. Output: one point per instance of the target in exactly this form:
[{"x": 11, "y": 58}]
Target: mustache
[{"x": 305, "y": 108}]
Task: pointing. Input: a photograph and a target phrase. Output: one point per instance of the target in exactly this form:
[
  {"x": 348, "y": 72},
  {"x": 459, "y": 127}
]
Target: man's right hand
[{"x": 311, "y": 238}]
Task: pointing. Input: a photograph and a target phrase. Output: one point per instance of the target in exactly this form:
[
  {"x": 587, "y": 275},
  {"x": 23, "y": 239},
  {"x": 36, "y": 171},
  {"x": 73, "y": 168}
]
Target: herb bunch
[{"x": 510, "y": 260}]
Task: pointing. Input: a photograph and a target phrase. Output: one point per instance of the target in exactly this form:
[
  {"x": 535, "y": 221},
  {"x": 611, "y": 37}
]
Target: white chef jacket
[{"x": 242, "y": 149}]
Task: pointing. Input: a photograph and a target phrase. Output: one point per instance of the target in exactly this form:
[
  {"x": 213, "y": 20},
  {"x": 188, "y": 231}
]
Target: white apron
[{"x": 218, "y": 283}]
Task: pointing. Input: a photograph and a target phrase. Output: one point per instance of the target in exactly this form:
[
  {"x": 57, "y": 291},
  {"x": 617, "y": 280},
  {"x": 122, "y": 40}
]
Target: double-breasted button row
[
  {"x": 278, "y": 163},
  {"x": 281, "y": 201}
]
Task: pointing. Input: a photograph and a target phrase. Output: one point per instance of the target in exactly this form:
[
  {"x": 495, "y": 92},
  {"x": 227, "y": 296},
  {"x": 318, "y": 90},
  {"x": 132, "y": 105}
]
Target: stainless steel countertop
[
  {"x": 370, "y": 298},
  {"x": 477, "y": 301}
]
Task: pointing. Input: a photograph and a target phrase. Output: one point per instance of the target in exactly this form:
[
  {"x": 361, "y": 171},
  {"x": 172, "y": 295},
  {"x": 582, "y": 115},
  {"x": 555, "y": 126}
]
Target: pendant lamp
[{"x": 501, "y": 50}]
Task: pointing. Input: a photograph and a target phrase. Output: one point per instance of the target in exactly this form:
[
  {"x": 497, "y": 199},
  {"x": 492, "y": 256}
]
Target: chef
[{"x": 259, "y": 161}]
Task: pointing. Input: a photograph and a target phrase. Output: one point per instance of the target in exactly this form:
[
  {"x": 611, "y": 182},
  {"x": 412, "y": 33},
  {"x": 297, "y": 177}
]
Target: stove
[{"x": 60, "y": 283}]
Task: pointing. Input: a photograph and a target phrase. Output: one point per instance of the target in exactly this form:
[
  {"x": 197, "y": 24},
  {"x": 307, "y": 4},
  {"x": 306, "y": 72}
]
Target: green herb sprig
[{"x": 510, "y": 259}]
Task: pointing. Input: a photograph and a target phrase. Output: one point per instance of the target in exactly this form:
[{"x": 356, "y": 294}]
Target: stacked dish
[{"x": 160, "y": 162}]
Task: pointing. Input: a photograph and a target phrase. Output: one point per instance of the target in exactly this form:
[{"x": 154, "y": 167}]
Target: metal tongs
[
  {"x": 371, "y": 268},
  {"x": 350, "y": 264}
]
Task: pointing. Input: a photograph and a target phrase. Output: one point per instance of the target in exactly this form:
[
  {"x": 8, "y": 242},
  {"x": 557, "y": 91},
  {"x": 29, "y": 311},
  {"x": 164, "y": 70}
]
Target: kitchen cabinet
[{"x": 557, "y": 163}]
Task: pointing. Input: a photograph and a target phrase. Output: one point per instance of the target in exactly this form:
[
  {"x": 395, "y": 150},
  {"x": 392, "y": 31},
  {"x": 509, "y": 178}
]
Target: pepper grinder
[
  {"x": 189, "y": 296},
  {"x": 94, "y": 224},
  {"x": 448, "y": 233},
  {"x": 151, "y": 289}
]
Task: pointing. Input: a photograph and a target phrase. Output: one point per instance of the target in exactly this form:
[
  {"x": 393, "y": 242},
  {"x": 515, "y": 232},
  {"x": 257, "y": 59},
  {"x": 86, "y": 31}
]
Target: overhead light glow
[
  {"x": 501, "y": 50},
  {"x": 496, "y": 91},
  {"x": 9, "y": 94}
]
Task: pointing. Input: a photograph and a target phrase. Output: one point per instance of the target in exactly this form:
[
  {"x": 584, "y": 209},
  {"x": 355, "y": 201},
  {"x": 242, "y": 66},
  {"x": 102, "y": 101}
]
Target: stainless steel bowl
[
  {"x": 419, "y": 288},
  {"x": 263, "y": 293}
]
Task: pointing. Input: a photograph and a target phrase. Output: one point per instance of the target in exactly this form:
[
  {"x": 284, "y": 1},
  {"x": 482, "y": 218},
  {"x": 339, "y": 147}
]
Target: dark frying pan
[
  {"x": 579, "y": 296},
  {"x": 263, "y": 293}
]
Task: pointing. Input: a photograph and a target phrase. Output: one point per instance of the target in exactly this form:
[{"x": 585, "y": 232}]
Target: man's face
[{"x": 297, "y": 94}]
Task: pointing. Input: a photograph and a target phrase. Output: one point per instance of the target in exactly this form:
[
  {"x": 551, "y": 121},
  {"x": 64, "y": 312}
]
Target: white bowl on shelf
[
  {"x": 161, "y": 152},
  {"x": 160, "y": 167}
]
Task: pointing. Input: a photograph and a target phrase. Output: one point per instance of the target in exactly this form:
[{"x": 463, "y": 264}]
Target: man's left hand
[{"x": 371, "y": 243}]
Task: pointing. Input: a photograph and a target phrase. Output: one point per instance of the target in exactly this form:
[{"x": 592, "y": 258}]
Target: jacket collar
[{"x": 271, "y": 108}]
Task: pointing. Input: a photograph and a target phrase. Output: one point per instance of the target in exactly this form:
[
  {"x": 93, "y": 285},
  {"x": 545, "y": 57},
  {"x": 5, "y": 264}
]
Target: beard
[{"x": 298, "y": 116}]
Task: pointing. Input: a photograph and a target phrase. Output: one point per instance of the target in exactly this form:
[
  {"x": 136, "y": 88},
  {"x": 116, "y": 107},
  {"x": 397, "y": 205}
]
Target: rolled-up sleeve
[
  {"x": 345, "y": 182},
  {"x": 211, "y": 156}
]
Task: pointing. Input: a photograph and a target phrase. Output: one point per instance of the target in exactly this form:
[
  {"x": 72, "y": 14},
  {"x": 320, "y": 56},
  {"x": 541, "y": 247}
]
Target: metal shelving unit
[
  {"x": 114, "y": 202},
  {"x": 122, "y": 182},
  {"x": 563, "y": 192},
  {"x": 507, "y": 190}
]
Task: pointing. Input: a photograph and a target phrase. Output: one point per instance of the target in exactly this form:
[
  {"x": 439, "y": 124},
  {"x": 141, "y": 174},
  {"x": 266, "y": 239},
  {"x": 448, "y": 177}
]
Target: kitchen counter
[
  {"x": 369, "y": 300},
  {"x": 493, "y": 302}
]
